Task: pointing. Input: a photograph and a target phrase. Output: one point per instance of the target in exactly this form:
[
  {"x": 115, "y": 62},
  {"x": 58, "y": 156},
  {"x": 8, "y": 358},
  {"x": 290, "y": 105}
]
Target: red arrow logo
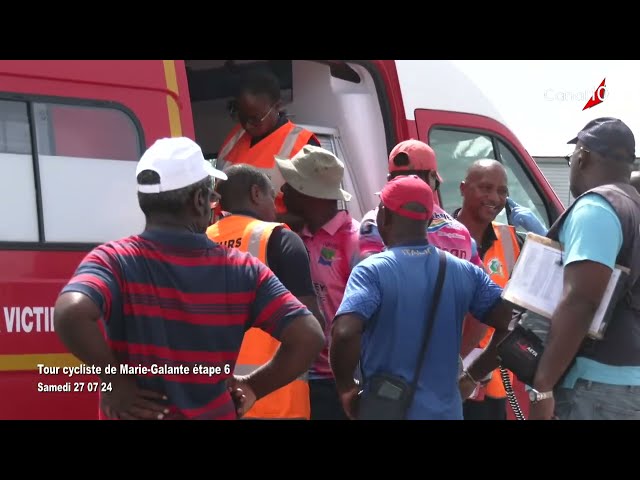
[{"x": 598, "y": 96}]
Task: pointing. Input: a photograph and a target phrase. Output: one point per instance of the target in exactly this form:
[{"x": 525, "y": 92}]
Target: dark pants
[
  {"x": 487, "y": 409},
  {"x": 325, "y": 402}
]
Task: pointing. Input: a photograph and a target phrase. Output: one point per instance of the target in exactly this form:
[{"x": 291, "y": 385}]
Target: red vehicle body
[{"x": 72, "y": 132}]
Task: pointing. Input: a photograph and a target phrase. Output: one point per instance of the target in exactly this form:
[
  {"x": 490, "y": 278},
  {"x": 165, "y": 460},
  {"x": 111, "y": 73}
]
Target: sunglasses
[{"x": 570, "y": 156}]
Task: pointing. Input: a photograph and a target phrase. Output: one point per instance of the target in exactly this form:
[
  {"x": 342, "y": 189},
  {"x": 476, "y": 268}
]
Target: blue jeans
[{"x": 597, "y": 401}]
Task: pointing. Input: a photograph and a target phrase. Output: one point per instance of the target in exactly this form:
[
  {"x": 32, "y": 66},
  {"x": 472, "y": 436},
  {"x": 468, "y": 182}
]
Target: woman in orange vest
[
  {"x": 248, "y": 196},
  {"x": 263, "y": 130}
]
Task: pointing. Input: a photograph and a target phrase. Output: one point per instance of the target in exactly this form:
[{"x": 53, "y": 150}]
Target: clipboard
[{"x": 536, "y": 283}]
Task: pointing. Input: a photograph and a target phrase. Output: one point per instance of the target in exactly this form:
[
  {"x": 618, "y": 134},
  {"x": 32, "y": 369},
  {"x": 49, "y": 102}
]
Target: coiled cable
[{"x": 511, "y": 395}]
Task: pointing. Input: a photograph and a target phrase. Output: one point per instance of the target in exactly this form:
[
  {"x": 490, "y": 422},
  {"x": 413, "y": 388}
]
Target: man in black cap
[{"x": 579, "y": 378}]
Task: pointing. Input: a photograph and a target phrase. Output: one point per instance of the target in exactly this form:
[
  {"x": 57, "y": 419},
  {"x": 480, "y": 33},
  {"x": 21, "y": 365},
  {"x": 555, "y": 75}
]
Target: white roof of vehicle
[{"x": 440, "y": 85}]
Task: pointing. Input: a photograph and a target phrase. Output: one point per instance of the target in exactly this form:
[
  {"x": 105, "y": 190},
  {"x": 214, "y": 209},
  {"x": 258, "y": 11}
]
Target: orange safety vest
[
  {"x": 258, "y": 347},
  {"x": 499, "y": 261},
  {"x": 284, "y": 142}
]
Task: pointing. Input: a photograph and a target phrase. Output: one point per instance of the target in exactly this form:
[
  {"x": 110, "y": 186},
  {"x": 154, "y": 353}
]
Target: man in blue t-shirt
[{"x": 383, "y": 313}]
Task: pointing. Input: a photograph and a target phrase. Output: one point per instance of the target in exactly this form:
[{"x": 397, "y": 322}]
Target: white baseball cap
[{"x": 179, "y": 162}]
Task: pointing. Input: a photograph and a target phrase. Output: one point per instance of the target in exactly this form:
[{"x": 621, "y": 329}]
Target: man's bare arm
[
  {"x": 300, "y": 343},
  {"x": 583, "y": 288},
  {"x": 311, "y": 302},
  {"x": 499, "y": 318},
  {"x": 76, "y": 323},
  {"x": 472, "y": 333},
  {"x": 345, "y": 349}
]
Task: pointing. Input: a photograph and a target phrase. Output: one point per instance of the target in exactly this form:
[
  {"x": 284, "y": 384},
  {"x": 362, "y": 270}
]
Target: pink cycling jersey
[
  {"x": 444, "y": 232},
  {"x": 333, "y": 252}
]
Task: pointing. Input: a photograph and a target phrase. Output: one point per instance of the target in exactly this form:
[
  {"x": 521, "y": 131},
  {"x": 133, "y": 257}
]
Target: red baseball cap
[
  {"x": 421, "y": 157},
  {"x": 405, "y": 189}
]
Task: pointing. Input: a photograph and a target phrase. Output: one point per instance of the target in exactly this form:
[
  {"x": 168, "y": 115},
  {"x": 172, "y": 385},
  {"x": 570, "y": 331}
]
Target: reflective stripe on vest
[
  {"x": 247, "y": 369},
  {"x": 245, "y": 233},
  {"x": 230, "y": 144},
  {"x": 499, "y": 261},
  {"x": 504, "y": 234},
  {"x": 290, "y": 142},
  {"x": 255, "y": 240}
]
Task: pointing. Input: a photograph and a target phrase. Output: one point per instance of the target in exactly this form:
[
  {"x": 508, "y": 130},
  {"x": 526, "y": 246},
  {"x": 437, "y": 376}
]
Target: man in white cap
[
  {"x": 312, "y": 191},
  {"x": 175, "y": 305}
]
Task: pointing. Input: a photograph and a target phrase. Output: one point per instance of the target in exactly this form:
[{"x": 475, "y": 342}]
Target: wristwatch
[{"x": 535, "y": 396}]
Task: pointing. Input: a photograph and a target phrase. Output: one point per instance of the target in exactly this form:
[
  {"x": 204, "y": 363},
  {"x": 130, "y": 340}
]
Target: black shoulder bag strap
[{"x": 431, "y": 320}]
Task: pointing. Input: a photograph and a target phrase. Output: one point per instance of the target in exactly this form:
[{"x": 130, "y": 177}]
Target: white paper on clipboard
[
  {"x": 473, "y": 354},
  {"x": 537, "y": 280}
]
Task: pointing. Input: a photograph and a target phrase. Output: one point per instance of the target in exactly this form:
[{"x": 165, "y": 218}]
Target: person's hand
[
  {"x": 543, "y": 410},
  {"x": 467, "y": 387},
  {"x": 350, "y": 401},
  {"x": 524, "y": 218},
  {"x": 242, "y": 394},
  {"x": 126, "y": 401}
]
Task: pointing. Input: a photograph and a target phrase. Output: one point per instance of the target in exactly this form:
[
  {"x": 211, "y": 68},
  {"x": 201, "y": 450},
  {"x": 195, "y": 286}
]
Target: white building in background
[{"x": 557, "y": 172}]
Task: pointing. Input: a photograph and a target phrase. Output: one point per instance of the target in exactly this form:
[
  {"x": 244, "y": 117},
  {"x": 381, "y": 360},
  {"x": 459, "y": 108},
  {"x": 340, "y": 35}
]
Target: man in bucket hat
[{"x": 312, "y": 189}]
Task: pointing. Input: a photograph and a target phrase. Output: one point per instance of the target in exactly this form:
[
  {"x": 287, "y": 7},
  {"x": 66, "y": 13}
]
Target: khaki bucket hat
[{"x": 315, "y": 172}]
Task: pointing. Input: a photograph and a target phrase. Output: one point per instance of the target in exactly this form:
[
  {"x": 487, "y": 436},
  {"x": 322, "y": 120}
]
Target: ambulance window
[
  {"x": 456, "y": 150},
  {"x": 87, "y": 160},
  {"x": 18, "y": 211},
  {"x": 521, "y": 189}
]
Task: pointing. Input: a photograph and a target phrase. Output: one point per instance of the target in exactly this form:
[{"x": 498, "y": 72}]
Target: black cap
[{"x": 609, "y": 137}]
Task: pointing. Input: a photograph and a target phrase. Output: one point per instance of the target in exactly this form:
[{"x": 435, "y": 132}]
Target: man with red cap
[
  {"x": 381, "y": 321},
  {"x": 413, "y": 157}
]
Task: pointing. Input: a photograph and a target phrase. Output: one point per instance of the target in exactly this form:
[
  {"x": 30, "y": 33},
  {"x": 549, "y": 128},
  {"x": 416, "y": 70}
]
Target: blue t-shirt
[
  {"x": 392, "y": 291},
  {"x": 592, "y": 231}
]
